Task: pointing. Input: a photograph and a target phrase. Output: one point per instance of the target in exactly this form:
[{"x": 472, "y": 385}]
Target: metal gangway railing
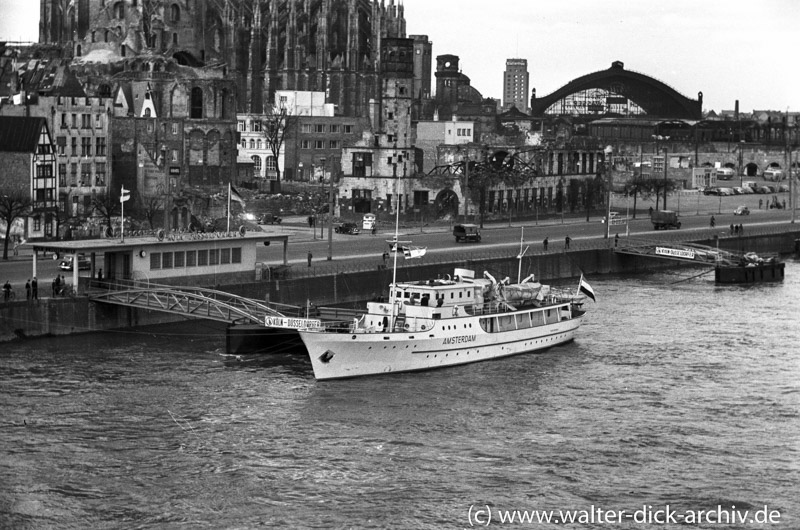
[
  {"x": 193, "y": 302},
  {"x": 676, "y": 251}
]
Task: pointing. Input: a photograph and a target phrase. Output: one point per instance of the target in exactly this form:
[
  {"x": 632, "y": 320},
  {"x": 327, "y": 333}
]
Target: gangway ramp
[
  {"x": 192, "y": 302},
  {"x": 684, "y": 252}
]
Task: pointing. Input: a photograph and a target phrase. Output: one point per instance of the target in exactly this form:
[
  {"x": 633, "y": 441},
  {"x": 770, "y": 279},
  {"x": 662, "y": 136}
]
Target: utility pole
[
  {"x": 330, "y": 211},
  {"x": 466, "y": 187}
]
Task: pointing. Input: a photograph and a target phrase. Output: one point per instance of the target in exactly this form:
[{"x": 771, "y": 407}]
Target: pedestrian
[
  {"x": 35, "y": 288},
  {"x": 385, "y": 258},
  {"x": 713, "y": 221},
  {"x": 309, "y": 258},
  {"x": 100, "y": 274},
  {"x": 616, "y": 240},
  {"x": 651, "y": 211},
  {"x": 736, "y": 230},
  {"x": 731, "y": 228},
  {"x": 741, "y": 230},
  {"x": 374, "y": 230},
  {"x": 16, "y": 246},
  {"x": 566, "y": 242},
  {"x": 55, "y": 285},
  {"x": 760, "y": 203},
  {"x": 544, "y": 243},
  {"x": 28, "y": 290},
  {"x": 6, "y": 291}
]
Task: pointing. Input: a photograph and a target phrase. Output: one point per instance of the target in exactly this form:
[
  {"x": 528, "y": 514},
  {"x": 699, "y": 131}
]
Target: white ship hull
[{"x": 449, "y": 342}]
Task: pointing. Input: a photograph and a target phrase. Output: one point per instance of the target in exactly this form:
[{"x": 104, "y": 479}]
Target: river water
[{"x": 682, "y": 394}]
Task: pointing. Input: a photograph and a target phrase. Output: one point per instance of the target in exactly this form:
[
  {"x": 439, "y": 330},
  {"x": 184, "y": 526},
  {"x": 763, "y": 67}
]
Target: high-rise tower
[{"x": 515, "y": 84}]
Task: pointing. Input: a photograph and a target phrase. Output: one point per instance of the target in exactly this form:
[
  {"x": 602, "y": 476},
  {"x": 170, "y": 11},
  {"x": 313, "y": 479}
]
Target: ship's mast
[
  {"x": 396, "y": 250},
  {"x": 521, "y": 253}
]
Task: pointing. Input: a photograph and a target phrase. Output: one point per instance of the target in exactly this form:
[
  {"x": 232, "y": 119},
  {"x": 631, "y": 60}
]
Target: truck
[{"x": 665, "y": 219}]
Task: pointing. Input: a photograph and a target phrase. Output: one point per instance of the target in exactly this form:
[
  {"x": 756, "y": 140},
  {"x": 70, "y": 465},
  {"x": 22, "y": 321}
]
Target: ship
[
  {"x": 444, "y": 322},
  {"x": 749, "y": 268}
]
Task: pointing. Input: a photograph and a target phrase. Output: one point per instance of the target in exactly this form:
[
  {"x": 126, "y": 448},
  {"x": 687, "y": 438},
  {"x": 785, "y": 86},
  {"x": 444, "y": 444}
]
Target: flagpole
[{"x": 229, "y": 208}]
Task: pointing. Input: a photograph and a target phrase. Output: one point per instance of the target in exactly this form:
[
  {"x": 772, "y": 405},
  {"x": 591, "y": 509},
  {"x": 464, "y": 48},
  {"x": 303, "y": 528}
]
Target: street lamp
[{"x": 330, "y": 208}]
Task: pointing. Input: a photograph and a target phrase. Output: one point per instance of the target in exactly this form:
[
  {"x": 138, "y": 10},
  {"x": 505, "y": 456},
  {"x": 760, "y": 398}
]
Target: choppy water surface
[{"x": 684, "y": 394}]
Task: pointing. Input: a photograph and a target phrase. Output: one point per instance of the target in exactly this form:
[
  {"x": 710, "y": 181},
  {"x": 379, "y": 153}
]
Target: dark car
[
  {"x": 347, "y": 228},
  {"x": 269, "y": 219},
  {"x": 83, "y": 263},
  {"x": 466, "y": 232}
]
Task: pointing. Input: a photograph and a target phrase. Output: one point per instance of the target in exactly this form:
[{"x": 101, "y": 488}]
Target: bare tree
[
  {"x": 107, "y": 206},
  {"x": 15, "y": 203},
  {"x": 149, "y": 206},
  {"x": 638, "y": 187},
  {"x": 274, "y": 125}
]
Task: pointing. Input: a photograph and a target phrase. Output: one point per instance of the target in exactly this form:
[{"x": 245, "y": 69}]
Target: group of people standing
[
  {"x": 31, "y": 290},
  {"x": 546, "y": 242}
]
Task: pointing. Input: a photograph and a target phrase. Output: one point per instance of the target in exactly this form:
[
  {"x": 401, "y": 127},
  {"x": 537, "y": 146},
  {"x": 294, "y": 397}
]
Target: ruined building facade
[{"x": 333, "y": 46}]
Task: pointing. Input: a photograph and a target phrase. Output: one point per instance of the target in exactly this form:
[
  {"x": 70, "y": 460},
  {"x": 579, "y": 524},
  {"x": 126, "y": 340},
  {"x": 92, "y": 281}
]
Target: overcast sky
[{"x": 727, "y": 49}]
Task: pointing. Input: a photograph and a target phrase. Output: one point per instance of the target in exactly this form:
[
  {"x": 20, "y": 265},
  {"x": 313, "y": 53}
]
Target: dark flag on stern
[{"x": 586, "y": 289}]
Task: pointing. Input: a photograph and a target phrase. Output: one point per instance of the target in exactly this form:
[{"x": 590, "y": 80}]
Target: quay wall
[{"x": 66, "y": 316}]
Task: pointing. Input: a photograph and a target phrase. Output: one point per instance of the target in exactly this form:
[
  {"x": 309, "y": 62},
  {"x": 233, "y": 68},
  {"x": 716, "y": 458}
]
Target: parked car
[
  {"x": 347, "y": 228},
  {"x": 747, "y": 190},
  {"x": 725, "y": 191},
  {"x": 711, "y": 191},
  {"x": 83, "y": 263},
  {"x": 269, "y": 219},
  {"x": 773, "y": 174},
  {"x": 783, "y": 187},
  {"x": 467, "y": 232},
  {"x": 763, "y": 190},
  {"x": 738, "y": 191},
  {"x": 742, "y": 210}
]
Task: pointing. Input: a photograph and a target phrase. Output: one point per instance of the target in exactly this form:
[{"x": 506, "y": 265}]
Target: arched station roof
[{"x": 657, "y": 99}]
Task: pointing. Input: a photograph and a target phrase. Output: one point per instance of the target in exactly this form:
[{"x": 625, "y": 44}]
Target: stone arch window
[
  {"x": 252, "y": 144},
  {"x": 271, "y": 164},
  {"x": 257, "y": 162},
  {"x": 147, "y": 113},
  {"x": 179, "y": 105},
  {"x": 94, "y": 36},
  {"x": 78, "y": 50},
  {"x": 119, "y": 10},
  {"x": 217, "y": 39},
  {"x": 197, "y": 104},
  {"x": 175, "y": 13},
  {"x": 122, "y": 50},
  {"x": 105, "y": 36},
  {"x": 223, "y": 104}
]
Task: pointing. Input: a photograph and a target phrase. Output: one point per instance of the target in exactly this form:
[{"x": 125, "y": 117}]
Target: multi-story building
[
  {"x": 432, "y": 135},
  {"x": 371, "y": 166},
  {"x": 79, "y": 124},
  {"x": 28, "y": 161},
  {"x": 173, "y": 133},
  {"x": 516, "y": 82}
]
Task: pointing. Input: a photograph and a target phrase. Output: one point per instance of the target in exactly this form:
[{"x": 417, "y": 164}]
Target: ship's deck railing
[{"x": 495, "y": 307}]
